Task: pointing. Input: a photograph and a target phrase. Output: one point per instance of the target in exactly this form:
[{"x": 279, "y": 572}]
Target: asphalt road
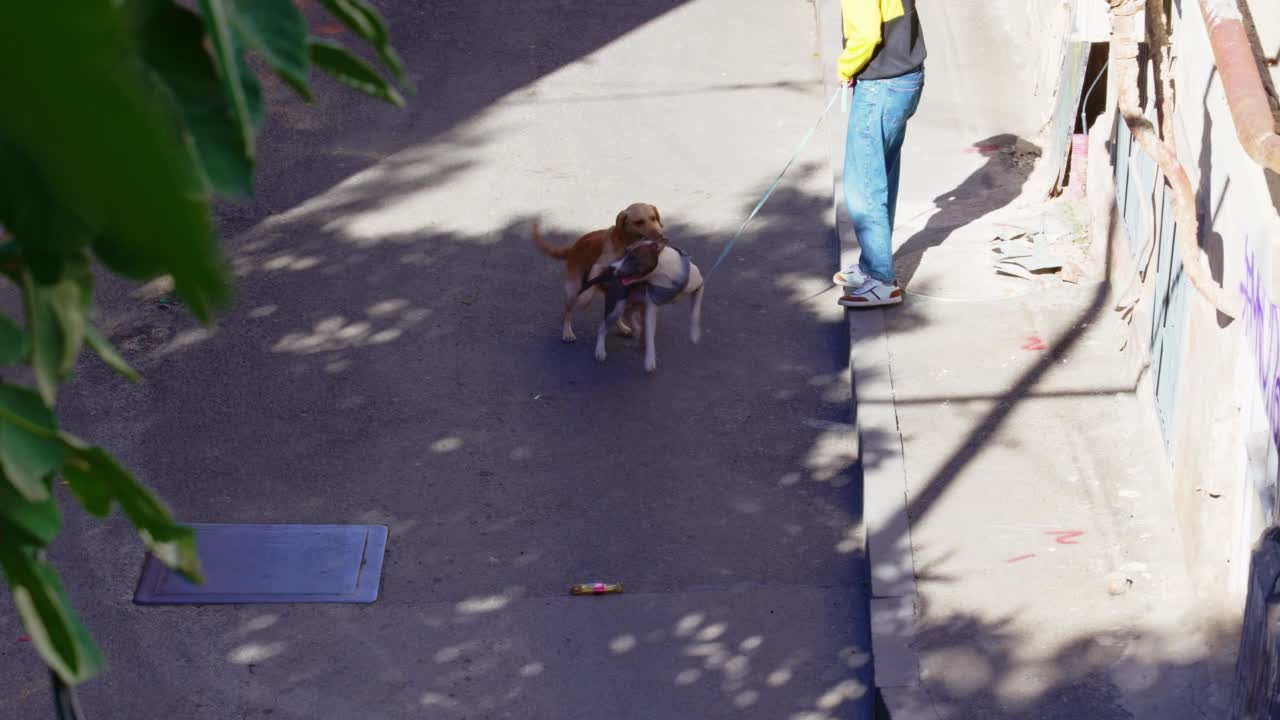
[{"x": 393, "y": 356}]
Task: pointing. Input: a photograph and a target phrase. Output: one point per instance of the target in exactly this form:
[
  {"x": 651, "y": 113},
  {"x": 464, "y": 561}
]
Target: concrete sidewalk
[
  {"x": 1024, "y": 558},
  {"x": 1022, "y": 546}
]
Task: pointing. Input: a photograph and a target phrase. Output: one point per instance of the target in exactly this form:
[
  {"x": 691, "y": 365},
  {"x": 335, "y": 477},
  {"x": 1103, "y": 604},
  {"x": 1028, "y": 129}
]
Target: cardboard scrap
[{"x": 1024, "y": 255}]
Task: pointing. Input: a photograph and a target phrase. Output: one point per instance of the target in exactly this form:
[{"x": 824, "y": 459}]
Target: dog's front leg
[
  {"x": 601, "y": 353},
  {"x": 695, "y": 317},
  {"x": 613, "y": 310},
  {"x": 574, "y": 297},
  {"x": 634, "y": 316},
  {"x": 650, "y": 330},
  {"x": 566, "y": 322}
]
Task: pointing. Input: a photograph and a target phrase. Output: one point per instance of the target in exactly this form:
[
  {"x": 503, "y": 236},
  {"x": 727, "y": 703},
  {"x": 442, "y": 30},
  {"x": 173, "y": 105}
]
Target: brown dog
[{"x": 588, "y": 256}]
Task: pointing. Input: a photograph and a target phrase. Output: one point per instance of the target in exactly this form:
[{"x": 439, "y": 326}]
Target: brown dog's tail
[{"x": 551, "y": 251}]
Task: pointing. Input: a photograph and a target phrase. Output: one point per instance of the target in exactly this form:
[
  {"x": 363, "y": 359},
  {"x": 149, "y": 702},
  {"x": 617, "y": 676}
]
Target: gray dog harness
[{"x": 660, "y": 295}]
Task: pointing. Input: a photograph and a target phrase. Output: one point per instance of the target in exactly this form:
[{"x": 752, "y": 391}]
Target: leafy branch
[{"x": 111, "y": 150}]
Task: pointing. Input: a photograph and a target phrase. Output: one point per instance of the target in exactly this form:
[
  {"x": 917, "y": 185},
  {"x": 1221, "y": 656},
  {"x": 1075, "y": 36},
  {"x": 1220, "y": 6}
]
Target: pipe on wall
[{"x": 1238, "y": 71}]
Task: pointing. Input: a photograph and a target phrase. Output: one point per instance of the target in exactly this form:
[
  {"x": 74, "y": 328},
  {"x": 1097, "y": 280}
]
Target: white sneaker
[
  {"x": 850, "y": 278},
  {"x": 872, "y": 293}
]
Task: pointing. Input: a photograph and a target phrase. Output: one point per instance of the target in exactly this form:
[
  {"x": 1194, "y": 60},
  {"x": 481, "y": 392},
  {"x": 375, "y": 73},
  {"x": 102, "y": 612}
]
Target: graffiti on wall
[{"x": 1262, "y": 334}]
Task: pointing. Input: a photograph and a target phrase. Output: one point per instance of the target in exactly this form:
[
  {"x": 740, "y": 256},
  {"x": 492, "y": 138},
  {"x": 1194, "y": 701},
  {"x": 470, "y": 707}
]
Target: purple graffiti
[
  {"x": 1262, "y": 332},
  {"x": 1251, "y": 292}
]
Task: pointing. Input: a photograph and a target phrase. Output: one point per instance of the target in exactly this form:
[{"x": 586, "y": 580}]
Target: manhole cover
[{"x": 274, "y": 564}]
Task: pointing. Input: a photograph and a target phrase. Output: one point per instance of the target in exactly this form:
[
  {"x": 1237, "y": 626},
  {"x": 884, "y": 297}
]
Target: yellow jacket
[{"x": 882, "y": 39}]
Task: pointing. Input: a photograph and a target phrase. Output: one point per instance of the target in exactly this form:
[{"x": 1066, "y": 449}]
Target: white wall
[{"x": 1225, "y": 434}]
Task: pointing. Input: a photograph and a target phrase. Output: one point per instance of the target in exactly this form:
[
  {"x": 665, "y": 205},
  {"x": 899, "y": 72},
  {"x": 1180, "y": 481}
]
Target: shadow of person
[{"x": 993, "y": 186}]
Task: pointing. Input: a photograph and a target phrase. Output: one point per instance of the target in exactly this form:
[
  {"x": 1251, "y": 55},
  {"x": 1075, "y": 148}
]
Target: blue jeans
[{"x": 872, "y": 163}]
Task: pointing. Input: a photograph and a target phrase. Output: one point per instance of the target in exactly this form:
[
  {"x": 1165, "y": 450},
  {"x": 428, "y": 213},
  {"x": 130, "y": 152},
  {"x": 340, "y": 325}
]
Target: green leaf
[
  {"x": 217, "y": 20},
  {"x": 71, "y": 299},
  {"x": 98, "y": 480},
  {"x": 46, "y": 340},
  {"x": 277, "y": 30},
  {"x": 15, "y": 345},
  {"x": 103, "y": 133},
  {"x": 57, "y": 316},
  {"x": 10, "y": 257},
  {"x": 36, "y": 522},
  {"x": 65, "y": 300},
  {"x": 365, "y": 21},
  {"x": 25, "y": 409},
  {"x": 108, "y": 353},
  {"x": 29, "y": 448},
  {"x": 45, "y": 230},
  {"x": 95, "y": 495},
  {"x": 173, "y": 46},
  {"x": 336, "y": 60},
  {"x": 55, "y": 630}
]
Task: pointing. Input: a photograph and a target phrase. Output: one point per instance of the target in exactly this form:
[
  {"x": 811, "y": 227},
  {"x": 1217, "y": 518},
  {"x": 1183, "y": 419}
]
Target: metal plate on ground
[{"x": 274, "y": 564}]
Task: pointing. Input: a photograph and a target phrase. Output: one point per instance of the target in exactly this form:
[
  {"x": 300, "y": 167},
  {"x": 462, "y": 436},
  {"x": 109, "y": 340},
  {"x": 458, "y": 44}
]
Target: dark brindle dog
[{"x": 651, "y": 273}]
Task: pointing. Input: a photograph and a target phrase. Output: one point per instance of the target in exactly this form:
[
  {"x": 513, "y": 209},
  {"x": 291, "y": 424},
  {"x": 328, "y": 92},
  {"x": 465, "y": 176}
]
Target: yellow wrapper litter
[{"x": 596, "y": 589}]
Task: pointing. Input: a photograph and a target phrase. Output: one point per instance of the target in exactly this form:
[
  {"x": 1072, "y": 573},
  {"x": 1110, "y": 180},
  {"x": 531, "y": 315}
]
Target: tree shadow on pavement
[
  {"x": 382, "y": 366},
  {"x": 976, "y": 666},
  {"x": 417, "y": 380}
]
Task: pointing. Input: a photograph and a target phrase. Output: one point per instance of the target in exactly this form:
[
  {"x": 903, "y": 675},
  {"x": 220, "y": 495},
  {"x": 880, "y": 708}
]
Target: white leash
[{"x": 842, "y": 92}]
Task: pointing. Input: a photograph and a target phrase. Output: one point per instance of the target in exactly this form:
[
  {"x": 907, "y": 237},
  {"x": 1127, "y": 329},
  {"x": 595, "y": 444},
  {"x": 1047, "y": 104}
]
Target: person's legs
[
  {"x": 866, "y": 181},
  {"x": 904, "y": 98},
  {"x": 873, "y": 152}
]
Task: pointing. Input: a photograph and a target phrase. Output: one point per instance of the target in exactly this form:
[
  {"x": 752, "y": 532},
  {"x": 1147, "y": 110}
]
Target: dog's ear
[
  {"x": 657, "y": 215},
  {"x": 620, "y": 225}
]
